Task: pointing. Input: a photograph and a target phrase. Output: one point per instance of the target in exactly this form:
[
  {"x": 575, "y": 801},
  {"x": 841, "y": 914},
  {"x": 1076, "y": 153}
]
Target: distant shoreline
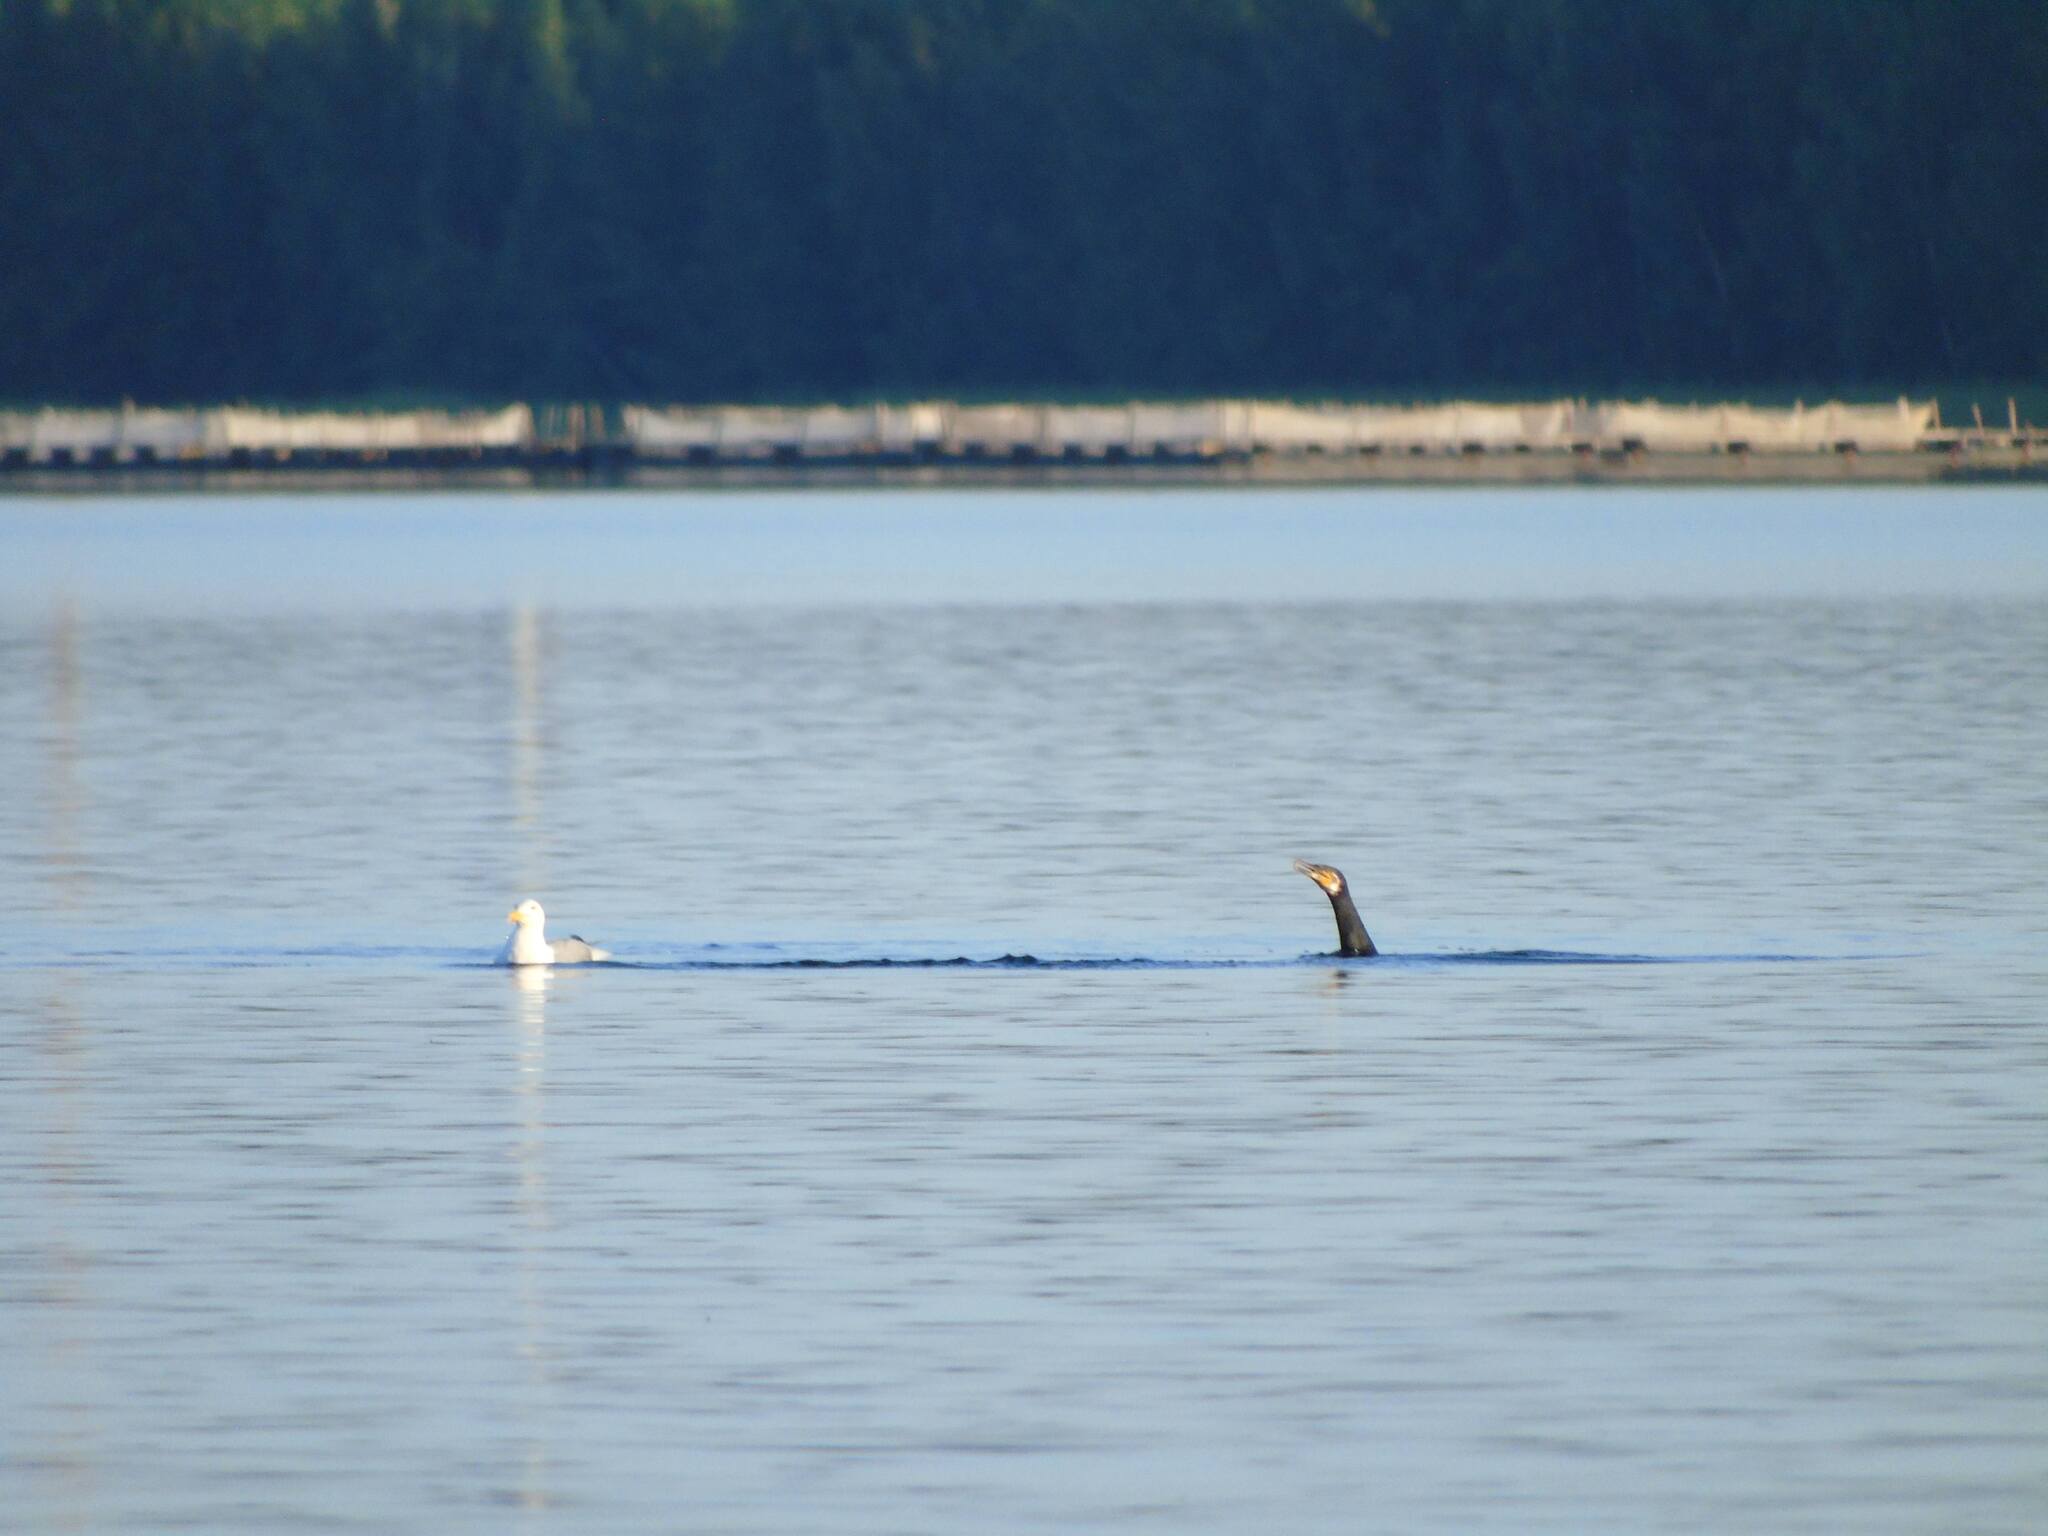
[{"x": 1214, "y": 441}]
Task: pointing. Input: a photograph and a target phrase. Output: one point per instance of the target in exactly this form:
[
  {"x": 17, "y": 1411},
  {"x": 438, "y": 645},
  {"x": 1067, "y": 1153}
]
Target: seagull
[{"x": 529, "y": 944}]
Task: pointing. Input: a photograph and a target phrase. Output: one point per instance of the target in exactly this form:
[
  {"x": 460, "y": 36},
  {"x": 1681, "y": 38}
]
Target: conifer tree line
[{"x": 302, "y": 200}]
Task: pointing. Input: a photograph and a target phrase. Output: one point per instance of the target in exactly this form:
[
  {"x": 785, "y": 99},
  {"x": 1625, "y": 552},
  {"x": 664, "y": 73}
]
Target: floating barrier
[
  {"x": 947, "y": 432},
  {"x": 239, "y": 434},
  {"x": 1216, "y": 429},
  {"x": 1830, "y": 428},
  {"x": 235, "y": 435}
]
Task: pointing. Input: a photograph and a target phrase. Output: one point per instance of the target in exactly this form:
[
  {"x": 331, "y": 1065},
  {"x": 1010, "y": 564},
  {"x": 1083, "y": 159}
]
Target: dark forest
[{"x": 299, "y": 200}]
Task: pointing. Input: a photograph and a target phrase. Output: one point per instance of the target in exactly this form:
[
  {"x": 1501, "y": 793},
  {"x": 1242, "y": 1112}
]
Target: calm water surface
[{"x": 1681, "y": 1166}]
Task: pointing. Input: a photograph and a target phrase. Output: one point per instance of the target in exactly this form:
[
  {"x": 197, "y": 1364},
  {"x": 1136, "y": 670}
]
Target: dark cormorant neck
[{"x": 1352, "y": 939}]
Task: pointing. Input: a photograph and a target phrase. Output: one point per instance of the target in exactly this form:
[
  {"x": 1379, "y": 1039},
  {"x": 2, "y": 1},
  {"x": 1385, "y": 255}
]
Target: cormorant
[{"x": 1352, "y": 939}]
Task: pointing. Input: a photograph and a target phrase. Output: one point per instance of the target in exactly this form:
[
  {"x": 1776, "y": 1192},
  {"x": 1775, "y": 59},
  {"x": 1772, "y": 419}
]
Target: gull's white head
[{"x": 527, "y": 912}]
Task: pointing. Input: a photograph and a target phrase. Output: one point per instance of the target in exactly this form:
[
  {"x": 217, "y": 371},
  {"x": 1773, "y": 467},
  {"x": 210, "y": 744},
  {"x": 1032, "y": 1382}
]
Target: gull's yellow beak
[{"x": 514, "y": 916}]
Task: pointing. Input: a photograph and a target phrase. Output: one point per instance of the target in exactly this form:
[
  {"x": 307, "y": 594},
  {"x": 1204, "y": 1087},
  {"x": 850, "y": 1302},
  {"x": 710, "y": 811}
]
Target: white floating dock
[{"x": 947, "y": 432}]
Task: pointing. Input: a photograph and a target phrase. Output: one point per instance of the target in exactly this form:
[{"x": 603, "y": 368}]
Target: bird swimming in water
[
  {"x": 1352, "y": 939},
  {"x": 528, "y": 944}
]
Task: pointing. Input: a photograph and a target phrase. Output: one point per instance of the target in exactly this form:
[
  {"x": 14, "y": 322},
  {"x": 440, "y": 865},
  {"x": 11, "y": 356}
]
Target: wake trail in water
[
  {"x": 770, "y": 958},
  {"x": 1383, "y": 961}
]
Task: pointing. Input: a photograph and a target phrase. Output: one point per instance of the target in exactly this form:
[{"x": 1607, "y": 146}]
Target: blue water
[
  {"x": 976, "y": 1132},
  {"x": 634, "y": 549}
]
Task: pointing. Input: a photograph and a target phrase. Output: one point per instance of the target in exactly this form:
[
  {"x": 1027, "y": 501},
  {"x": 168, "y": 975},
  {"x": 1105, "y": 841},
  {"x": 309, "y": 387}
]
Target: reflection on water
[
  {"x": 1678, "y": 1169},
  {"x": 529, "y": 1018},
  {"x": 70, "y": 1466},
  {"x": 530, "y": 991},
  {"x": 64, "y": 1140},
  {"x": 528, "y": 826},
  {"x": 62, "y": 861}
]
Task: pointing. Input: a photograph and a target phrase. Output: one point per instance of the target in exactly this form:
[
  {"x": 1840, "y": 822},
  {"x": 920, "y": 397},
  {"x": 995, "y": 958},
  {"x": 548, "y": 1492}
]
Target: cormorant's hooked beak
[{"x": 1331, "y": 880}]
